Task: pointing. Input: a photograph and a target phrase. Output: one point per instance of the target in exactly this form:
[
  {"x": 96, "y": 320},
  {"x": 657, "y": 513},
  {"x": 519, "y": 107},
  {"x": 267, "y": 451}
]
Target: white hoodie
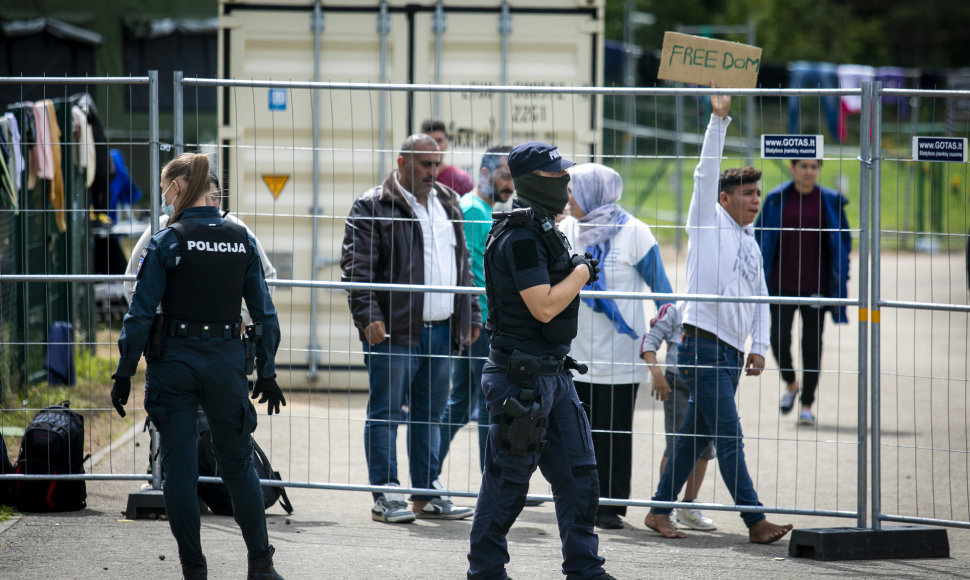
[{"x": 722, "y": 257}]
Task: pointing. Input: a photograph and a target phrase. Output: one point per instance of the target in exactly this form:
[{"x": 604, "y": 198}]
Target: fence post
[
  {"x": 178, "y": 114},
  {"x": 146, "y": 502},
  {"x": 154, "y": 176},
  {"x": 874, "y": 299},
  {"x": 153, "y": 170},
  {"x": 865, "y": 153}
]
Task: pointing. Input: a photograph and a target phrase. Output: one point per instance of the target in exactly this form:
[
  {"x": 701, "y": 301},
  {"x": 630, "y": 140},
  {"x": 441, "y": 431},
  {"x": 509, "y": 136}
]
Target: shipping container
[{"x": 267, "y": 132}]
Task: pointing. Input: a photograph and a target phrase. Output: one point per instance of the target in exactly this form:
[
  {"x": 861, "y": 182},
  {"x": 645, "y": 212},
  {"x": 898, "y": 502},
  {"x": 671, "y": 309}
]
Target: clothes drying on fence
[
  {"x": 104, "y": 167},
  {"x": 57, "y": 192},
  {"x": 124, "y": 191},
  {"x": 84, "y": 138},
  {"x": 10, "y": 127},
  {"x": 894, "y": 77},
  {"x": 813, "y": 75},
  {"x": 7, "y": 165},
  {"x": 36, "y": 136},
  {"x": 851, "y": 76}
]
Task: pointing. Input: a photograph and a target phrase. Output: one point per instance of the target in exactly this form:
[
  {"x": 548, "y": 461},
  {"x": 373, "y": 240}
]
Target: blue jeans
[
  {"x": 466, "y": 390},
  {"x": 419, "y": 376},
  {"x": 711, "y": 371},
  {"x": 814, "y": 75}
]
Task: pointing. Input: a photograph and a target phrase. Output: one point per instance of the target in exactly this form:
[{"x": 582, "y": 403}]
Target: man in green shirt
[{"x": 494, "y": 186}]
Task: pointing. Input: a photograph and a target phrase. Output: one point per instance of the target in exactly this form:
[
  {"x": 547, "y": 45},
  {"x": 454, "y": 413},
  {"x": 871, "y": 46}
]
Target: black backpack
[
  {"x": 52, "y": 444},
  {"x": 215, "y": 495}
]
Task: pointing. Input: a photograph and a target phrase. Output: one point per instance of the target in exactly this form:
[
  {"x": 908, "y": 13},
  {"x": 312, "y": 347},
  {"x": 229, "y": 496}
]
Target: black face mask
[{"x": 547, "y": 196}]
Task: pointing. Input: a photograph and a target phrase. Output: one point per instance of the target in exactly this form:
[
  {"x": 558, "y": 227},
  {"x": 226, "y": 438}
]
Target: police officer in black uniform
[
  {"x": 199, "y": 269},
  {"x": 532, "y": 284}
]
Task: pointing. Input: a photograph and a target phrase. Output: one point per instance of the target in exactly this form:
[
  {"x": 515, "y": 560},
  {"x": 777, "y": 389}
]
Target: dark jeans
[
  {"x": 711, "y": 371},
  {"x": 420, "y": 376},
  {"x": 466, "y": 394},
  {"x": 610, "y": 412},
  {"x": 813, "y": 322}
]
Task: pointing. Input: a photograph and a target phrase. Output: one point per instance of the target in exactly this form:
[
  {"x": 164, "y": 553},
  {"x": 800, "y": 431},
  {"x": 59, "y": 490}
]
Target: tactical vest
[
  {"x": 206, "y": 284},
  {"x": 508, "y": 313}
]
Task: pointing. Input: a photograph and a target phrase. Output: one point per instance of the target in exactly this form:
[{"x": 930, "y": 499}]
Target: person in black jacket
[
  {"x": 409, "y": 230},
  {"x": 199, "y": 269}
]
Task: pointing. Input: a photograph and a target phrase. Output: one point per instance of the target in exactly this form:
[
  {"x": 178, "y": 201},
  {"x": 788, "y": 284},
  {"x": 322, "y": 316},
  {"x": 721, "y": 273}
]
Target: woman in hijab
[{"x": 610, "y": 330}]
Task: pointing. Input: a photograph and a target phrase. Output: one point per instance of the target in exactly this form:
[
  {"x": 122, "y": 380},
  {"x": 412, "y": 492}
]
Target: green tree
[{"x": 924, "y": 34}]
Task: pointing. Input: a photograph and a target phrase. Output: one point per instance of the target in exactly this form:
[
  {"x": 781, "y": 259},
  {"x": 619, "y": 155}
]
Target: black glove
[
  {"x": 590, "y": 262},
  {"x": 270, "y": 392},
  {"x": 119, "y": 393}
]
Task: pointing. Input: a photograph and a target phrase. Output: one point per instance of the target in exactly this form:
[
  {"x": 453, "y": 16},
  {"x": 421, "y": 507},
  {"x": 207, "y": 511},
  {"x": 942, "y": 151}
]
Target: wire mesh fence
[{"x": 292, "y": 173}]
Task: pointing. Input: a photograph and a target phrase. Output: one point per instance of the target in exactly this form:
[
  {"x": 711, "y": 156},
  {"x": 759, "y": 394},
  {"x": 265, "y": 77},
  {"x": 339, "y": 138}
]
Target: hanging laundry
[
  {"x": 28, "y": 140},
  {"x": 7, "y": 164},
  {"x": 851, "y": 76},
  {"x": 104, "y": 168},
  {"x": 58, "y": 202},
  {"x": 17, "y": 152},
  {"x": 894, "y": 77},
  {"x": 84, "y": 139},
  {"x": 124, "y": 191},
  {"x": 812, "y": 75},
  {"x": 42, "y": 158}
]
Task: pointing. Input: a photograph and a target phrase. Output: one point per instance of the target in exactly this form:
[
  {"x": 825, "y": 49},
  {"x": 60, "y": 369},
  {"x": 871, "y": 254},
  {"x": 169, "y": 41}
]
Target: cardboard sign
[
  {"x": 792, "y": 146},
  {"x": 698, "y": 60}
]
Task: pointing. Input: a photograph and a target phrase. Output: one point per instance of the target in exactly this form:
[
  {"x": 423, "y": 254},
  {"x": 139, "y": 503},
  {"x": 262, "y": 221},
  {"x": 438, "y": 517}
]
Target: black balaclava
[{"x": 547, "y": 196}]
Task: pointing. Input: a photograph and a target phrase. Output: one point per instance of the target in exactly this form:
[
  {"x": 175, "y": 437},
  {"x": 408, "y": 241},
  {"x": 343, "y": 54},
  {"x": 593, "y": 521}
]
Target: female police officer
[{"x": 198, "y": 269}]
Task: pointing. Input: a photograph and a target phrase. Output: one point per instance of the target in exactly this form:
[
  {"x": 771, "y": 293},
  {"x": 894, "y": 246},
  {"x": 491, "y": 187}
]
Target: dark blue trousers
[
  {"x": 568, "y": 463},
  {"x": 207, "y": 372}
]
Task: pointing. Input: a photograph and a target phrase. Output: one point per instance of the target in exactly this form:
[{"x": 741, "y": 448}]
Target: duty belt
[
  {"x": 205, "y": 330},
  {"x": 547, "y": 366}
]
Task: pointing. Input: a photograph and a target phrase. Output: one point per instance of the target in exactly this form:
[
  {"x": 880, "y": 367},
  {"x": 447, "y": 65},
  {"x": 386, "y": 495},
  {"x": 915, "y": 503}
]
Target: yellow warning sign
[{"x": 275, "y": 183}]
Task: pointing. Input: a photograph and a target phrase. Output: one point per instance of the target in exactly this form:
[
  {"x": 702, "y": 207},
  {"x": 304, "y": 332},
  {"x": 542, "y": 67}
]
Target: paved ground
[{"x": 331, "y": 535}]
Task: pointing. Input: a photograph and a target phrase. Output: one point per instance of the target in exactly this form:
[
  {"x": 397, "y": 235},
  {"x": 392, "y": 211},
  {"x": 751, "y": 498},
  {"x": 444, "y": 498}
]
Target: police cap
[{"x": 536, "y": 155}]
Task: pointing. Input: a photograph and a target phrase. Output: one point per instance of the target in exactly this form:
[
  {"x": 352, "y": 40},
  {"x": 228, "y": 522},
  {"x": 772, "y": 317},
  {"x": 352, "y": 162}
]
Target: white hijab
[{"x": 596, "y": 189}]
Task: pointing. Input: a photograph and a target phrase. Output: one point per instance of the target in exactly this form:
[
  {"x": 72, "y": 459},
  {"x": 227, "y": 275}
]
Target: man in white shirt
[
  {"x": 723, "y": 259},
  {"x": 409, "y": 230}
]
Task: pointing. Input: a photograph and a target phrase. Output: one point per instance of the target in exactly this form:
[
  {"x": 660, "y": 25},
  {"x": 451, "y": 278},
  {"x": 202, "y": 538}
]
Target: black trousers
[
  {"x": 610, "y": 412},
  {"x": 813, "y": 322}
]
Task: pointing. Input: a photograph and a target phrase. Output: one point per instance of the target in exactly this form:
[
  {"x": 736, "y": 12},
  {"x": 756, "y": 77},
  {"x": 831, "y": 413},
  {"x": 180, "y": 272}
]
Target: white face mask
[{"x": 167, "y": 209}]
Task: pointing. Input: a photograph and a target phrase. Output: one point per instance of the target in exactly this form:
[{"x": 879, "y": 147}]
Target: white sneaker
[
  {"x": 695, "y": 519},
  {"x": 443, "y": 508},
  {"x": 806, "y": 418},
  {"x": 391, "y": 508}
]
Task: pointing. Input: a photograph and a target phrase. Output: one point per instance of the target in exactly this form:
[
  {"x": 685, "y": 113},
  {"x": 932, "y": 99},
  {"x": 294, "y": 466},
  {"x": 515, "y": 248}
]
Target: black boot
[
  {"x": 194, "y": 571},
  {"x": 262, "y": 568}
]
